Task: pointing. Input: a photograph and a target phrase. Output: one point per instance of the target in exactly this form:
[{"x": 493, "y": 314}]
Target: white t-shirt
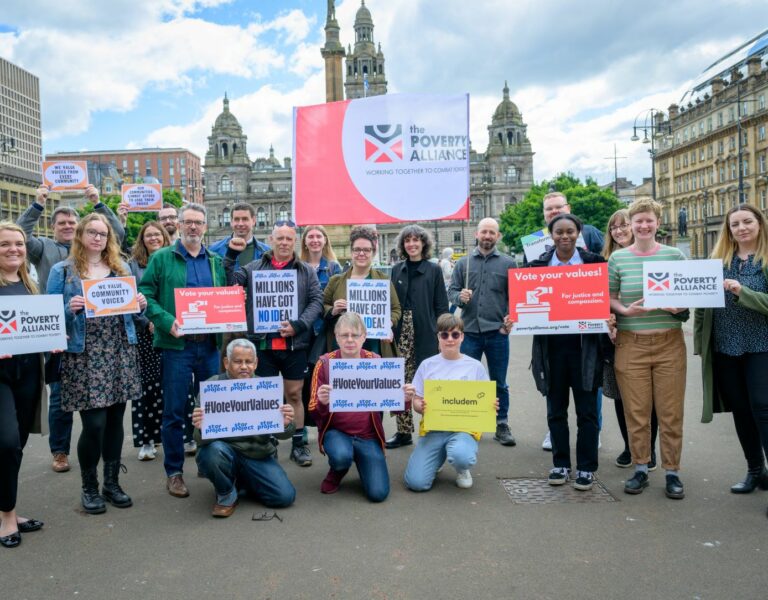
[{"x": 465, "y": 368}]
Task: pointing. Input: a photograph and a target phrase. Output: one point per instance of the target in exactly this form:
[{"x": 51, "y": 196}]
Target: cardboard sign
[
  {"x": 538, "y": 242},
  {"x": 67, "y": 175},
  {"x": 142, "y": 196},
  {"x": 550, "y": 300},
  {"x": 241, "y": 407},
  {"x": 683, "y": 284},
  {"x": 210, "y": 310},
  {"x": 32, "y": 323},
  {"x": 460, "y": 406},
  {"x": 110, "y": 296},
  {"x": 275, "y": 299},
  {"x": 366, "y": 384},
  {"x": 366, "y": 160},
  {"x": 370, "y": 299}
]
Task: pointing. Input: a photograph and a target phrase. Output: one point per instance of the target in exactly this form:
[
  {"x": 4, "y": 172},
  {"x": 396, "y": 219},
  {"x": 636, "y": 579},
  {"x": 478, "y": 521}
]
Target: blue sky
[{"x": 153, "y": 72}]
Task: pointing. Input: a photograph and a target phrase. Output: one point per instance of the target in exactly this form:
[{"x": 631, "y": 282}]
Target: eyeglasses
[
  {"x": 362, "y": 250},
  {"x": 92, "y": 233},
  {"x": 444, "y": 335},
  {"x": 622, "y": 227},
  {"x": 349, "y": 336},
  {"x": 168, "y": 218},
  {"x": 189, "y": 223},
  {"x": 284, "y": 223}
]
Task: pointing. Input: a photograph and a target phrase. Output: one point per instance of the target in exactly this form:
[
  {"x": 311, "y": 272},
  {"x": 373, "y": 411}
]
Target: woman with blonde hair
[
  {"x": 99, "y": 371},
  {"x": 22, "y": 390},
  {"x": 733, "y": 341}
]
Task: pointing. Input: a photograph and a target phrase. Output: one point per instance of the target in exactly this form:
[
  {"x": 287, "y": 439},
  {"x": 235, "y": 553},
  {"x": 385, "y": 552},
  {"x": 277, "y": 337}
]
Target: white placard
[
  {"x": 275, "y": 299},
  {"x": 30, "y": 324},
  {"x": 683, "y": 284},
  {"x": 370, "y": 299},
  {"x": 366, "y": 384},
  {"x": 538, "y": 242},
  {"x": 241, "y": 407}
]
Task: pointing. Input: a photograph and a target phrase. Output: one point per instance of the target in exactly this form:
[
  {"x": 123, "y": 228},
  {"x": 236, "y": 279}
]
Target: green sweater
[
  {"x": 167, "y": 271},
  {"x": 250, "y": 446}
]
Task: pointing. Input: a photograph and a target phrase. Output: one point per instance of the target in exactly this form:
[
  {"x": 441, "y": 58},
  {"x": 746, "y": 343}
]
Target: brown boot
[
  {"x": 177, "y": 487},
  {"x": 60, "y": 462}
]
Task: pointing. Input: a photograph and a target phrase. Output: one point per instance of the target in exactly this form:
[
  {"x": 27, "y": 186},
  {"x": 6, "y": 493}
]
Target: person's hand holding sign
[
  {"x": 92, "y": 194},
  {"x": 197, "y": 418},
  {"x": 286, "y": 329},
  {"x": 142, "y": 301},
  {"x": 324, "y": 394},
  {"x": 41, "y": 195},
  {"x": 122, "y": 211},
  {"x": 465, "y": 296},
  {"x": 733, "y": 286},
  {"x": 76, "y": 304},
  {"x": 417, "y": 402},
  {"x": 288, "y": 414},
  {"x": 237, "y": 244},
  {"x": 339, "y": 306},
  {"x": 175, "y": 330}
]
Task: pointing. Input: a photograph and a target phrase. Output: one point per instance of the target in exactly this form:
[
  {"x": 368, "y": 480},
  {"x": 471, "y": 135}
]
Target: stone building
[{"x": 713, "y": 152}]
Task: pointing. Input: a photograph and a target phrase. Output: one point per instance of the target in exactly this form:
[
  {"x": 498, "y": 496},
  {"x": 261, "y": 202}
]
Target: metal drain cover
[{"x": 538, "y": 491}]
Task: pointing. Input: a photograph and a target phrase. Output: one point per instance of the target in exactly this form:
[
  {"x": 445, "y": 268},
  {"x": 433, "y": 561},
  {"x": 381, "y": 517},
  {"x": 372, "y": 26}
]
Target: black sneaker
[
  {"x": 637, "y": 483},
  {"x": 558, "y": 476},
  {"x": 624, "y": 460},
  {"x": 301, "y": 456},
  {"x": 584, "y": 481},
  {"x": 674, "y": 488},
  {"x": 504, "y": 435}
]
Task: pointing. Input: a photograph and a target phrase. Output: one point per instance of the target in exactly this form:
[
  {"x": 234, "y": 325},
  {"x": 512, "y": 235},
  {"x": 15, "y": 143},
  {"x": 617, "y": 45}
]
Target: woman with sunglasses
[
  {"x": 619, "y": 235},
  {"x": 563, "y": 363},
  {"x": 147, "y": 411},
  {"x": 733, "y": 341},
  {"x": 22, "y": 390},
  {"x": 348, "y": 437},
  {"x": 459, "y": 448},
  {"x": 362, "y": 241},
  {"x": 420, "y": 286},
  {"x": 99, "y": 371}
]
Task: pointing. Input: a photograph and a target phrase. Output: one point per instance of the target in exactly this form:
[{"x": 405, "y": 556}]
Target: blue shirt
[
  {"x": 198, "y": 267},
  {"x": 574, "y": 260}
]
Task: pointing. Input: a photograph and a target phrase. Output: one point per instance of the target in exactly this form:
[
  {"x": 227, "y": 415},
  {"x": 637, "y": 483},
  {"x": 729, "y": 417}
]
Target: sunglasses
[
  {"x": 444, "y": 335},
  {"x": 284, "y": 222}
]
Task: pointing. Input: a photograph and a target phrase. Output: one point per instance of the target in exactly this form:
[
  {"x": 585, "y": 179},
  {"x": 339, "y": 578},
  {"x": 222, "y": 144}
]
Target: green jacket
[
  {"x": 250, "y": 446},
  {"x": 167, "y": 271},
  {"x": 703, "y": 345}
]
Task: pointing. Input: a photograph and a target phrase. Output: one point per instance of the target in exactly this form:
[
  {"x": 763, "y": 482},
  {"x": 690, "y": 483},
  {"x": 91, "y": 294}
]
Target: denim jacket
[{"x": 63, "y": 279}]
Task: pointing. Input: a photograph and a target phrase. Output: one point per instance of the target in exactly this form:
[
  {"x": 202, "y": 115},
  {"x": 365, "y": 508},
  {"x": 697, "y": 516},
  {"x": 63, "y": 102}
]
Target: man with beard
[
  {"x": 484, "y": 302},
  {"x": 168, "y": 217},
  {"x": 243, "y": 222}
]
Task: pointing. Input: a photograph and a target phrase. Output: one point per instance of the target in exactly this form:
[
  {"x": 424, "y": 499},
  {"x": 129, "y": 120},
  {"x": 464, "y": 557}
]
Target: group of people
[{"x": 146, "y": 359}]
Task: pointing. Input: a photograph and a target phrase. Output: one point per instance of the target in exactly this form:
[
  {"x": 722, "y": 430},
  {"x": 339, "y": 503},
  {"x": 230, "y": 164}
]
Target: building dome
[
  {"x": 506, "y": 110},
  {"x": 226, "y": 120},
  {"x": 363, "y": 16}
]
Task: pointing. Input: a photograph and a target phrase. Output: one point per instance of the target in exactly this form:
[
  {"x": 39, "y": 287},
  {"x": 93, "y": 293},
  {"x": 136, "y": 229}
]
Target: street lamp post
[
  {"x": 705, "y": 215},
  {"x": 656, "y": 129}
]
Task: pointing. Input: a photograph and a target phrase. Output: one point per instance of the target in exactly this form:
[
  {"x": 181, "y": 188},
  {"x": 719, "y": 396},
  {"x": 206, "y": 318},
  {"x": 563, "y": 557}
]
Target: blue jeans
[
  {"x": 59, "y": 422},
  {"x": 495, "y": 345},
  {"x": 459, "y": 448},
  {"x": 198, "y": 359},
  {"x": 228, "y": 471},
  {"x": 369, "y": 459}
]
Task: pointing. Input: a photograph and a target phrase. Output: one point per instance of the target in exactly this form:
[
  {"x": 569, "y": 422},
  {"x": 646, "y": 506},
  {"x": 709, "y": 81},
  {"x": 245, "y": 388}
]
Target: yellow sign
[{"x": 460, "y": 406}]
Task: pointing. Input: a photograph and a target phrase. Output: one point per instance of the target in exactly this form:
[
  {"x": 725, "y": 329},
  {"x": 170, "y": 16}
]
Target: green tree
[
  {"x": 587, "y": 200},
  {"x": 135, "y": 219}
]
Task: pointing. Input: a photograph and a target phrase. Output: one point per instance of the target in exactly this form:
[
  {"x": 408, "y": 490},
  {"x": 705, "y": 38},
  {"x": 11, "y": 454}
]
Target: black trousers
[
  {"x": 19, "y": 395},
  {"x": 565, "y": 375},
  {"x": 743, "y": 382},
  {"x": 102, "y": 435}
]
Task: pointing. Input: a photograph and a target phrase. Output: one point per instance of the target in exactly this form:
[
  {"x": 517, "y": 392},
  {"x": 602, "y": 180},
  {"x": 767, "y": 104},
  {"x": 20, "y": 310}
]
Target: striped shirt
[{"x": 625, "y": 278}]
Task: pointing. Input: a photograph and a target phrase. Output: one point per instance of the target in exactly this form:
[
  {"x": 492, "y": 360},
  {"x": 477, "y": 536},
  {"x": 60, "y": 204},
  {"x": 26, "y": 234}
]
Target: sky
[{"x": 148, "y": 73}]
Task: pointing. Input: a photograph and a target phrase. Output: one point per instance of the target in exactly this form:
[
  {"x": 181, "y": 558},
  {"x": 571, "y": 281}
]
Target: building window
[
  {"x": 261, "y": 218},
  {"x": 709, "y": 123},
  {"x": 685, "y": 159},
  {"x": 125, "y": 164},
  {"x": 745, "y": 167},
  {"x": 457, "y": 237},
  {"x": 761, "y": 133},
  {"x": 226, "y": 218},
  {"x": 282, "y": 215},
  {"x": 701, "y": 128},
  {"x": 732, "y": 142},
  {"x": 731, "y": 114},
  {"x": 709, "y": 151},
  {"x": 701, "y": 153},
  {"x": 743, "y": 138},
  {"x": 720, "y": 147},
  {"x": 226, "y": 184},
  {"x": 135, "y": 165},
  {"x": 722, "y": 174},
  {"x": 733, "y": 169},
  {"x": 763, "y": 198},
  {"x": 720, "y": 119},
  {"x": 693, "y": 157},
  {"x": 761, "y": 162}
]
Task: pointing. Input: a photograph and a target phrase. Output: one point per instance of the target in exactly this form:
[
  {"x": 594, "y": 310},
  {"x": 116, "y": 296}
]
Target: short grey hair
[
  {"x": 240, "y": 343},
  {"x": 192, "y": 206},
  {"x": 447, "y": 253}
]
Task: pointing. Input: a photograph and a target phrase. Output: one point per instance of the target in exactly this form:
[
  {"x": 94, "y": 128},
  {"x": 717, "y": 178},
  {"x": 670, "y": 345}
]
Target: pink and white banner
[{"x": 384, "y": 159}]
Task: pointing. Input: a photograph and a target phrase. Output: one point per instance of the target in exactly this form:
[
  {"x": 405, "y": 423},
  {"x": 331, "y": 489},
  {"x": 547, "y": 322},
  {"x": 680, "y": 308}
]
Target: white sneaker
[
  {"x": 464, "y": 479},
  {"x": 547, "y": 443},
  {"x": 190, "y": 448},
  {"x": 147, "y": 452},
  {"x": 599, "y": 441}
]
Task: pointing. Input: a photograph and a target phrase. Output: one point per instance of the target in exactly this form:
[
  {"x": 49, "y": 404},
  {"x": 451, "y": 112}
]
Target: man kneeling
[{"x": 248, "y": 462}]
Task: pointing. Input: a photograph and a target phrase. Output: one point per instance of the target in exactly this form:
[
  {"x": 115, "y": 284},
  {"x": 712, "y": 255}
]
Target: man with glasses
[
  {"x": 43, "y": 253},
  {"x": 484, "y": 304},
  {"x": 243, "y": 222},
  {"x": 169, "y": 218},
  {"x": 285, "y": 351},
  {"x": 553, "y": 204},
  {"x": 187, "y": 359}
]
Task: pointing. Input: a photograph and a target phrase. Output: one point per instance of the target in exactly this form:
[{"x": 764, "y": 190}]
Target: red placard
[{"x": 210, "y": 310}]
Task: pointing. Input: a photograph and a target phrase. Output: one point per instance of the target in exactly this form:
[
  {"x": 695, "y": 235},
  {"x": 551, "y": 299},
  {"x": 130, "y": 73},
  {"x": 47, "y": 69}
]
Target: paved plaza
[{"x": 509, "y": 536}]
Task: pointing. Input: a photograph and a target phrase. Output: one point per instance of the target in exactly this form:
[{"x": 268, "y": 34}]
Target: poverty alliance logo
[
  {"x": 383, "y": 143},
  {"x": 8, "y": 323},
  {"x": 658, "y": 282}
]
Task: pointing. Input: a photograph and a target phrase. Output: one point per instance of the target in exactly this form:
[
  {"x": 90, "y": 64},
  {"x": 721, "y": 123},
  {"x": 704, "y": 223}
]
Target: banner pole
[{"x": 466, "y": 275}]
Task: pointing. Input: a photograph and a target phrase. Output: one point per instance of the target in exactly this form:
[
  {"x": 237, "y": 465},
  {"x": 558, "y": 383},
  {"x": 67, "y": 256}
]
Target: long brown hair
[
  {"x": 139, "y": 252},
  {"x": 610, "y": 246},
  {"x": 328, "y": 252},
  {"x": 110, "y": 254},
  {"x": 726, "y": 246},
  {"x": 24, "y": 275}
]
